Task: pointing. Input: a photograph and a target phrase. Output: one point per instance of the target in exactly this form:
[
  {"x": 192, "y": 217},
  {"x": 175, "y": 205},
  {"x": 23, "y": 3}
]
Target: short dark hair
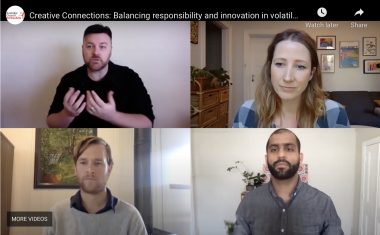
[
  {"x": 283, "y": 130},
  {"x": 97, "y": 28},
  {"x": 91, "y": 140}
]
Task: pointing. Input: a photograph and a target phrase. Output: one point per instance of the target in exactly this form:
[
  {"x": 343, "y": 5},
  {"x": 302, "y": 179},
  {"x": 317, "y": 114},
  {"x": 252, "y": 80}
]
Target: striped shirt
[{"x": 334, "y": 117}]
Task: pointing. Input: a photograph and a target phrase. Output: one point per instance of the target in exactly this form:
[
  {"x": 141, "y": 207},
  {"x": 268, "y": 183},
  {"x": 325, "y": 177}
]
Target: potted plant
[
  {"x": 222, "y": 76},
  {"x": 200, "y": 79},
  {"x": 250, "y": 179},
  {"x": 230, "y": 227}
]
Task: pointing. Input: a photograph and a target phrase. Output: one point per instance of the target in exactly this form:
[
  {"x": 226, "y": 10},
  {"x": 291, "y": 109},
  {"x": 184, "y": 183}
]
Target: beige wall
[
  {"x": 331, "y": 154},
  {"x": 198, "y": 51},
  {"x": 26, "y": 198},
  {"x": 35, "y": 56}
]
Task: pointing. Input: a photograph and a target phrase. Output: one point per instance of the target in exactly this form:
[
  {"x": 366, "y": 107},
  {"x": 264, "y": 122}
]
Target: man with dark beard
[
  {"x": 286, "y": 205},
  {"x": 100, "y": 93},
  {"x": 93, "y": 209}
]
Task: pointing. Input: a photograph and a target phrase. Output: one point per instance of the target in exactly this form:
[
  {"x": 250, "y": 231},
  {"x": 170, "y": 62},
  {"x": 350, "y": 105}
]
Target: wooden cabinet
[
  {"x": 6, "y": 166},
  {"x": 209, "y": 108}
]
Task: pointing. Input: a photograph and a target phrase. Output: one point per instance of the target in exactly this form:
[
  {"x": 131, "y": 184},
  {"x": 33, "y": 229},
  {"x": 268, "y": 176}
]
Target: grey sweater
[{"x": 125, "y": 220}]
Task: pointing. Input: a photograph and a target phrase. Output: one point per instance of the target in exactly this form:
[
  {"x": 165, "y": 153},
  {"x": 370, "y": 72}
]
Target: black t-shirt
[{"x": 130, "y": 94}]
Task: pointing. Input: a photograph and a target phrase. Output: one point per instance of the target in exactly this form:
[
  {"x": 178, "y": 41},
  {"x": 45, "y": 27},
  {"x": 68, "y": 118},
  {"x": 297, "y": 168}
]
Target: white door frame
[
  {"x": 363, "y": 192},
  {"x": 247, "y": 76}
]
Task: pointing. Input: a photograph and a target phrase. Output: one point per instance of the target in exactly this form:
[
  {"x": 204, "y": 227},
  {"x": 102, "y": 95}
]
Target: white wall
[
  {"x": 35, "y": 56},
  {"x": 329, "y": 153},
  {"x": 26, "y": 198},
  {"x": 171, "y": 180},
  {"x": 362, "y": 135}
]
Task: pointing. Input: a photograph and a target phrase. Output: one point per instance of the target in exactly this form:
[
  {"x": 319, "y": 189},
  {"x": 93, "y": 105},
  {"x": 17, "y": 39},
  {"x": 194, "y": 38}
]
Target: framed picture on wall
[
  {"x": 371, "y": 66},
  {"x": 328, "y": 63},
  {"x": 349, "y": 54},
  {"x": 369, "y": 46},
  {"x": 194, "y": 25},
  {"x": 326, "y": 42},
  {"x": 54, "y": 165}
]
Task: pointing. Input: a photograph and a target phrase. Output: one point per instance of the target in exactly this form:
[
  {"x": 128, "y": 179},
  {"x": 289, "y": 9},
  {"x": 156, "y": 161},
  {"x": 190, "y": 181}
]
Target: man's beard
[
  {"x": 93, "y": 188},
  {"x": 286, "y": 174},
  {"x": 98, "y": 66}
]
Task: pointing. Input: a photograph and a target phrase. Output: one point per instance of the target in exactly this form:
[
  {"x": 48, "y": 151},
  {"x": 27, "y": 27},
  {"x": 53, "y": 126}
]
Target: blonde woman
[{"x": 290, "y": 92}]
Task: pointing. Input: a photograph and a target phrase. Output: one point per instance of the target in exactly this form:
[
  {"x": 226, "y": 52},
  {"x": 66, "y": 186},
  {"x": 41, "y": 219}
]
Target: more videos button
[{"x": 30, "y": 218}]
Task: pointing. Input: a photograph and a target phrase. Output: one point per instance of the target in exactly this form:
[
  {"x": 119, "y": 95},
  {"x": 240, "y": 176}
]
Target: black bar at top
[{"x": 227, "y": 13}]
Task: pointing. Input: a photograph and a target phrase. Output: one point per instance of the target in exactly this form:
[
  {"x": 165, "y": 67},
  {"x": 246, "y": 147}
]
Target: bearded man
[
  {"x": 100, "y": 93},
  {"x": 286, "y": 205}
]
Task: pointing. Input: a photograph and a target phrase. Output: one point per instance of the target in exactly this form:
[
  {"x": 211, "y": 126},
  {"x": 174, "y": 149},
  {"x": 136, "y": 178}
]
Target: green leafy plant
[
  {"x": 222, "y": 75},
  {"x": 200, "y": 79},
  {"x": 249, "y": 177},
  {"x": 199, "y": 73},
  {"x": 230, "y": 226}
]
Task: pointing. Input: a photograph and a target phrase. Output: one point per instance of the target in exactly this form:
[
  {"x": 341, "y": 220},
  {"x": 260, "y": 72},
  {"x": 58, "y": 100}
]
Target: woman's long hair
[{"x": 268, "y": 103}]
